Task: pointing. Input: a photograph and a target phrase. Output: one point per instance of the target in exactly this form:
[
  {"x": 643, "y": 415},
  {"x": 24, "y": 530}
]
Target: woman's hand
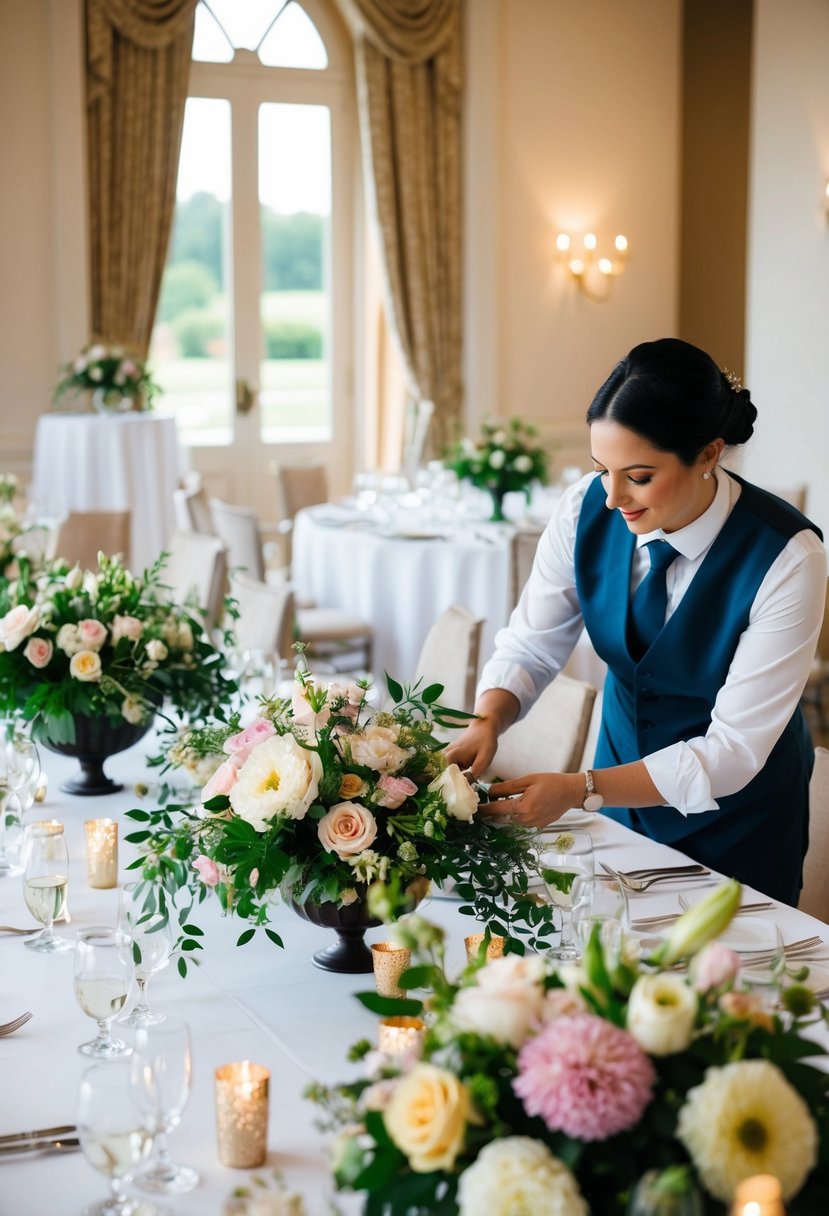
[
  {"x": 474, "y": 749},
  {"x": 536, "y": 800}
]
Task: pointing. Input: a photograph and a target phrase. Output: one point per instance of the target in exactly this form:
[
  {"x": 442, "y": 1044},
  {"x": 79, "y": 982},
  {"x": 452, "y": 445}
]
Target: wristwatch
[{"x": 592, "y": 801}]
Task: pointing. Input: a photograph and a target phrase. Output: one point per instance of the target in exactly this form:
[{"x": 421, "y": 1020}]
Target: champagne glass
[
  {"x": 146, "y": 937},
  {"x": 113, "y": 1136},
  {"x": 103, "y": 978},
  {"x": 45, "y": 881},
  {"x": 19, "y": 771},
  {"x": 161, "y": 1074},
  {"x": 563, "y": 856},
  {"x": 600, "y": 900}
]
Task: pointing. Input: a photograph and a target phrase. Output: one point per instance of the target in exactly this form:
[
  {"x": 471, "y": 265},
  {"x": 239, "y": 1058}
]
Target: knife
[
  {"x": 43, "y": 1133},
  {"x": 59, "y": 1145}
]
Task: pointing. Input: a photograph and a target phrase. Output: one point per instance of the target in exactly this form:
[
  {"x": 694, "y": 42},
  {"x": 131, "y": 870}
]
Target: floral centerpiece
[
  {"x": 506, "y": 457},
  {"x": 339, "y": 807},
  {"x": 118, "y": 381},
  {"x": 17, "y": 539},
  {"x": 100, "y": 651},
  {"x": 554, "y": 1089}
]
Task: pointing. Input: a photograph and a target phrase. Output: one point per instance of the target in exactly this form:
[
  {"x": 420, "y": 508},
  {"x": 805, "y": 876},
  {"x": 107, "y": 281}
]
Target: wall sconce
[
  {"x": 826, "y": 199},
  {"x": 591, "y": 271}
]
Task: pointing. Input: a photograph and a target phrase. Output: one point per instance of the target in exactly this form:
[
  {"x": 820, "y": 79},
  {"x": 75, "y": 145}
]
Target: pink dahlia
[{"x": 585, "y": 1077}]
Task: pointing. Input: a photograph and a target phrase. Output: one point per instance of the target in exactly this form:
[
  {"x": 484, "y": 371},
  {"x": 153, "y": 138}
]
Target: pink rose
[
  {"x": 126, "y": 627},
  {"x": 38, "y": 651},
  {"x": 92, "y": 634},
  {"x": 395, "y": 791},
  {"x": 222, "y": 781},
  {"x": 240, "y": 746},
  {"x": 352, "y": 696},
  {"x": 714, "y": 967},
  {"x": 208, "y": 870},
  {"x": 18, "y": 624},
  {"x": 347, "y": 829}
]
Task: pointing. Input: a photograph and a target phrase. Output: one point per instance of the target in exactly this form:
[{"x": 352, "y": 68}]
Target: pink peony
[
  {"x": 240, "y": 746},
  {"x": 714, "y": 967},
  {"x": 222, "y": 781},
  {"x": 395, "y": 791},
  {"x": 585, "y": 1077},
  {"x": 208, "y": 870},
  {"x": 38, "y": 651}
]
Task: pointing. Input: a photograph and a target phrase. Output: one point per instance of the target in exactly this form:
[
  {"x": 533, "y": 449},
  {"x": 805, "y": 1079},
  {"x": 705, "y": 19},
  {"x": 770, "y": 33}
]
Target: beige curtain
[
  {"x": 409, "y": 89},
  {"x": 138, "y": 66}
]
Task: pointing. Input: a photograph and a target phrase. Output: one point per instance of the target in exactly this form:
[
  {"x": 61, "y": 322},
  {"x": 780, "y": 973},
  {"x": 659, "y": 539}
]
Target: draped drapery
[
  {"x": 138, "y": 68},
  {"x": 409, "y": 92}
]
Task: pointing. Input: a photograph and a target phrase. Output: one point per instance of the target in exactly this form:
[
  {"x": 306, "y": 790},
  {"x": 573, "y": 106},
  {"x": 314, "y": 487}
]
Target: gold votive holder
[
  {"x": 495, "y": 948},
  {"x": 41, "y": 788},
  {"x": 389, "y": 961},
  {"x": 399, "y": 1036},
  {"x": 101, "y": 853},
  {"x": 242, "y": 1114}
]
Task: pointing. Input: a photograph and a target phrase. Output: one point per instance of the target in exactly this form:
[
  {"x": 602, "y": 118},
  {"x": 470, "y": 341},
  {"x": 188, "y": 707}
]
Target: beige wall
[
  {"x": 572, "y": 123},
  {"x": 788, "y": 270}
]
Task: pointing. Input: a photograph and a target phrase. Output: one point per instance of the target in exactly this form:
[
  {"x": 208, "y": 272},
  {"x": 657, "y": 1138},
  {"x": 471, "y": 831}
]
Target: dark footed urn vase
[{"x": 95, "y": 740}]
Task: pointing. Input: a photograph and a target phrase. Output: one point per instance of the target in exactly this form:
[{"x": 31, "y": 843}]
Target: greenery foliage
[{"x": 506, "y": 457}]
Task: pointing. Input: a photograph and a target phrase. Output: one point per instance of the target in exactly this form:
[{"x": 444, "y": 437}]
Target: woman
[{"x": 708, "y": 642}]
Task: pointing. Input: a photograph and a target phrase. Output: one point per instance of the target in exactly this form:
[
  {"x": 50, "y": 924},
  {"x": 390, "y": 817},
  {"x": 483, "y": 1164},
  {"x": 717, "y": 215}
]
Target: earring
[{"x": 706, "y": 475}]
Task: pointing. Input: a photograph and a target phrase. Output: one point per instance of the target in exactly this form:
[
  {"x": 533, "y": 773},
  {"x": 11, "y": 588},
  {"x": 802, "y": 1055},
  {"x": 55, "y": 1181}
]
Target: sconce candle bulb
[
  {"x": 590, "y": 241},
  {"x": 562, "y": 242},
  {"x": 591, "y": 272}
]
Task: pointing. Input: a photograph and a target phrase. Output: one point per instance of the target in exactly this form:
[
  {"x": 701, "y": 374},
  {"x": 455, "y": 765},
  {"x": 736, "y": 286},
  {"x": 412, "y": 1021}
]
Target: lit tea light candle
[
  {"x": 41, "y": 788},
  {"x": 760, "y": 1195},
  {"x": 495, "y": 949},
  {"x": 101, "y": 852},
  {"x": 389, "y": 961},
  {"x": 399, "y": 1036},
  {"x": 242, "y": 1114}
]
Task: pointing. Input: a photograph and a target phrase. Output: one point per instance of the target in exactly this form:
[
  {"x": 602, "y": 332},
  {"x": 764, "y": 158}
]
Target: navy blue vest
[{"x": 760, "y": 833}]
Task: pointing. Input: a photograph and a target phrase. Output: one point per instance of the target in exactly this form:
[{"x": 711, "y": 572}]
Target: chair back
[
  {"x": 238, "y": 530},
  {"x": 85, "y": 534},
  {"x": 197, "y": 568},
  {"x": 552, "y": 737},
  {"x": 266, "y": 616},
  {"x": 522, "y": 555},
  {"x": 300, "y": 486},
  {"x": 192, "y": 510},
  {"x": 795, "y": 495},
  {"x": 814, "y": 898},
  {"x": 449, "y": 656}
]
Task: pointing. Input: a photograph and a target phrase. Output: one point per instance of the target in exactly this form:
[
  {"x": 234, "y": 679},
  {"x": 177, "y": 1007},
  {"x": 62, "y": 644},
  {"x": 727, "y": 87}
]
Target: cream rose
[
  {"x": 427, "y": 1117},
  {"x": 85, "y": 666},
  {"x": 132, "y": 710},
  {"x": 38, "y": 651},
  {"x": 518, "y": 1174},
  {"x": 505, "y": 1002},
  {"x": 278, "y": 778},
  {"x": 126, "y": 627},
  {"x": 184, "y": 636},
  {"x": 661, "y": 1013},
  {"x": 460, "y": 798},
  {"x": 69, "y": 640},
  {"x": 347, "y": 829},
  {"x": 73, "y": 579},
  {"x": 156, "y": 651},
  {"x": 18, "y": 624},
  {"x": 92, "y": 634},
  {"x": 376, "y": 747}
]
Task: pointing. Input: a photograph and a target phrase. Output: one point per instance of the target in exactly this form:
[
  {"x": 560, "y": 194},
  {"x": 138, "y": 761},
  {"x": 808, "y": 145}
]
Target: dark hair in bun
[{"x": 674, "y": 395}]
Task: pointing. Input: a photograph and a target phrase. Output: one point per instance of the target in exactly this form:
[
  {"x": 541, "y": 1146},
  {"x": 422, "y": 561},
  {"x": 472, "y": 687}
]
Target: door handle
[{"x": 245, "y": 397}]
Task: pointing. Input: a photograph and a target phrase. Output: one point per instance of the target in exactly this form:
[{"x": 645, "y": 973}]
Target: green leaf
[
  {"x": 193, "y": 930},
  {"x": 245, "y": 937},
  {"x": 390, "y": 1006},
  {"x": 182, "y": 967},
  {"x": 431, "y": 694},
  {"x": 395, "y": 689},
  {"x": 137, "y": 837}
]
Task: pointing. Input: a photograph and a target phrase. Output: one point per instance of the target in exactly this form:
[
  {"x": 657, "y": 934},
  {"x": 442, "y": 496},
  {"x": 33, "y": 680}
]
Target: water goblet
[
  {"x": 45, "y": 882},
  {"x": 19, "y": 773},
  {"x": 103, "y": 978},
  {"x": 600, "y": 900},
  {"x": 563, "y": 856},
  {"x": 147, "y": 939},
  {"x": 161, "y": 1077},
  {"x": 114, "y": 1138}
]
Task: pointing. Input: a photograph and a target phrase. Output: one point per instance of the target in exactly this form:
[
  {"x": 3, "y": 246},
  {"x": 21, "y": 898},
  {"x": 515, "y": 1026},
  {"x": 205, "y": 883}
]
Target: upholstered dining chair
[
  {"x": 297, "y": 487},
  {"x": 197, "y": 569},
  {"x": 449, "y": 656},
  {"x": 522, "y": 555},
  {"x": 552, "y": 737},
  {"x": 84, "y": 534},
  {"x": 266, "y": 618},
  {"x": 192, "y": 509},
  {"x": 818, "y": 682},
  {"x": 238, "y": 530},
  {"x": 814, "y": 898},
  {"x": 796, "y": 495}
]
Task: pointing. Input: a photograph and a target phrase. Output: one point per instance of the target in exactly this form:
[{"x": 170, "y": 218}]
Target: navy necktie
[{"x": 650, "y": 602}]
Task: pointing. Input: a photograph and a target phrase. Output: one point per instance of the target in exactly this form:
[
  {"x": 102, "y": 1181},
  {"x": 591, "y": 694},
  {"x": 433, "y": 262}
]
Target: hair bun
[{"x": 741, "y": 416}]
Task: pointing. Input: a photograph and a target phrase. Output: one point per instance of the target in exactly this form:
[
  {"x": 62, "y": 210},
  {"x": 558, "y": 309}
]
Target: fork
[
  {"x": 651, "y": 870},
  {"x": 10, "y": 1027},
  {"x": 638, "y": 885},
  {"x": 22, "y": 932}
]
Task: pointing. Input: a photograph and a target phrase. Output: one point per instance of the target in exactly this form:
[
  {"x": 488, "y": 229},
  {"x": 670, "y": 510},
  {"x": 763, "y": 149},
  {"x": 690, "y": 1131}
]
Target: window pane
[
  {"x": 293, "y": 42},
  {"x": 245, "y": 21},
  {"x": 295, "y": 203},
  {"x": 190, "y": 352},
  {"x": 210, "y": 44}
]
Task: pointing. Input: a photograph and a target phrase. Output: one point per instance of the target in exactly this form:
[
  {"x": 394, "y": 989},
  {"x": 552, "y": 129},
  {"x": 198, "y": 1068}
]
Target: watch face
[{"x": 592, "y": 803}]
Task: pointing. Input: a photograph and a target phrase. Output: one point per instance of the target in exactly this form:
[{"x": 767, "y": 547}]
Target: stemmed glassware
[
  {"x": 19, "y": 772},
  {"x": 113, "y": 1135},
  {"x": 564, "y": 856},
  {"x": 146, "y": 938},
  {"x": 600, "y": 900},
  {"x": 45, "y": 882},
  {"x": 161, "y": 1079},
  {"x": 103, "y": 978}
]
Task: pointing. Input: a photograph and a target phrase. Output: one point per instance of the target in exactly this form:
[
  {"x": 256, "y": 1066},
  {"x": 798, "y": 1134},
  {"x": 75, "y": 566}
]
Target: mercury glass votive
[
  {"x": 399, "y": 1036},
  {"x": 495, "y": 949},
  {"x": 242, "y": 1114},
  {"x": 101, "y": 853},
  {"x": 389, "y": 961}
]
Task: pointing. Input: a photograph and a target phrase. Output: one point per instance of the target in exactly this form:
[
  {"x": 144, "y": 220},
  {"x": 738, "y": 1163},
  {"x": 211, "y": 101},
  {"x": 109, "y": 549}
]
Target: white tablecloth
[
  {"x": 256, "y": 1002},
  {"x": 110, "y": 462}
]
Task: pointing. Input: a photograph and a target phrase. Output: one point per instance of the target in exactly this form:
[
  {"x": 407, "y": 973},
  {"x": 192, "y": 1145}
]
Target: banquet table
[
  {"x": 256, "y": 1002},
  {"x": 110, "y": 462}
]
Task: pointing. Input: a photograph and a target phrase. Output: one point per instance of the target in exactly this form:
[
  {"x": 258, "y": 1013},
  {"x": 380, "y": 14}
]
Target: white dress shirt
[{"x": 766, "y": 677}]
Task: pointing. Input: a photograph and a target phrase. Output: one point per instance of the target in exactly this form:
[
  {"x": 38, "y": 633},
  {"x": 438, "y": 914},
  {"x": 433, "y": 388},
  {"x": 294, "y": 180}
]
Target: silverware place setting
[
  {"x": 669, "y": 874},
  {"x": 10, "y": 1027},
  {"x": 667, "y": 918},
  {"x": 45, "y": 1140}
]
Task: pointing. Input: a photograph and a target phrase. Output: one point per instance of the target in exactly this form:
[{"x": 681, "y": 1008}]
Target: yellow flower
[
  {"x": 427, "y": 1118},
  {"x": 352, "y": 786},
  {"x": 85, "y": 666}
]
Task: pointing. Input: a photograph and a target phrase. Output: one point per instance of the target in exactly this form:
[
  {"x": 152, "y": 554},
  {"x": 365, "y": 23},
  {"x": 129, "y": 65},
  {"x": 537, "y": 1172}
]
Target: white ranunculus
[
  {"x": 522, "y": 464},
  {"x": 69, "y": 640},
  {"x": 460, "y": 798},
  {"x": 17, "y": 625},
  {"x": 661, "y": 1013},
  {"x": 279, "y": 777},
  {"x": 497, "y": 459},
  {"x": 156, "y": 650},
  {"x": 505, "y": 1001},
  {"x": 518, "y": 1175}
]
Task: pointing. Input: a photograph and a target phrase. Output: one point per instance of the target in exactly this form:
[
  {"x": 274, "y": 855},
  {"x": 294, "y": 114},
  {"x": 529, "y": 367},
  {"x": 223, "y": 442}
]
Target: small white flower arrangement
[
  {"x": 117, "y": 380},
  {"x": 506, "y": 457}
]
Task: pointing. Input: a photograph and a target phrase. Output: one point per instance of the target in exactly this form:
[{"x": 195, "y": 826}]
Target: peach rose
[
  {"x": 85, "y": 666},
  {"x": 352, "y": 786},
  {"x": 38, "y": 651},
  {"x": 377, "y": 748},
  {"x": 427, "y": 1117},
  {"x": 505, "y": 1002},
  {"x": 92, "y": 634},
  {"x": 222, "y": 781},
  {"x": 241, "y": 745},
  {"x": 18, "y": 624},
  {"x": 347, "y": 829},
  {"x": 156, "y": 650},
  {"x": 126, "y": 627}
]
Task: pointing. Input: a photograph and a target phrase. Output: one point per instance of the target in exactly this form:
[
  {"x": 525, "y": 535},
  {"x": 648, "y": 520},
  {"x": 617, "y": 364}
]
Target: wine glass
[
  {"x": 161, "y": 1075},
  {"x": 19, "y": 772},
  {"x": 103, "y": 978},
  {"x": 562, "y": 857},
  {"x": 45, "y": 881},
  {"x": 113, "y": 1136},
  {"x": 600, "y": 900},
  {"x": 146, "y": 937}
]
